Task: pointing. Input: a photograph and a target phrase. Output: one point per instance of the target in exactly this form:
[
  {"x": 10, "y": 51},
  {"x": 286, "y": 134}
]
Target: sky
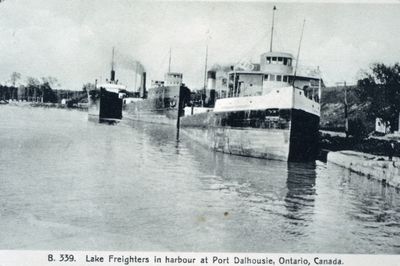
[{"x": 72, "y": 40}]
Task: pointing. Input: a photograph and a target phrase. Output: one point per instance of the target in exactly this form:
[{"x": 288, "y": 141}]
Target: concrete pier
[{"x": 377, "y": 167}]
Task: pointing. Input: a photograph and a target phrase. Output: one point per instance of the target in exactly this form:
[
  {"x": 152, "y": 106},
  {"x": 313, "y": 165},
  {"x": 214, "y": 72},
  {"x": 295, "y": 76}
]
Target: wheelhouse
[{"x": 275, "y": 71}]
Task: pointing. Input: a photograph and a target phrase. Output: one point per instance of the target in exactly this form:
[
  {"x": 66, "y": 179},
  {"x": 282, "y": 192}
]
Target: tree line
[
  {"x": 38, "y": 90},
  {"x": 379, "y": 89}
]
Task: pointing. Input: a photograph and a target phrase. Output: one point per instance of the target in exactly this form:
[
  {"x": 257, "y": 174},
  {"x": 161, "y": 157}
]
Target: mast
[
  {"x": 298, "y": 51},
  {"x": 319, "y": 85},
  {"x": 169, "y": 62},
  {"x": 205, "y": 72},
  {"x": 346, "y": 118},
  {"x": 136, "y": 73},
  {"x": 272, "y": 29}
]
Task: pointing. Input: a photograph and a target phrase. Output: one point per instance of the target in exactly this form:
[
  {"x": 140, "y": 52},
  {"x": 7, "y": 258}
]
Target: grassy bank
[{"x": 333, "y": 112}]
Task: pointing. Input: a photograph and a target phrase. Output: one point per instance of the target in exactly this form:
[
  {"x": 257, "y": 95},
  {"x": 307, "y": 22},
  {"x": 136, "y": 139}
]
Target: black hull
[
  {"x": 282, "y": 134},
  {"x": 304, "y": 136},
  {"x": 110, "y": 105},
  {"x": 104, "y": 106}
]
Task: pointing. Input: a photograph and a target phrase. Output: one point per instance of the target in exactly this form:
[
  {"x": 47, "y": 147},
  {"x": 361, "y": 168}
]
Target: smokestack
[
  {"x": 112, "y": 75},
  {"x": 143, "y": 86},
  {"x": 211, "y": 81}
]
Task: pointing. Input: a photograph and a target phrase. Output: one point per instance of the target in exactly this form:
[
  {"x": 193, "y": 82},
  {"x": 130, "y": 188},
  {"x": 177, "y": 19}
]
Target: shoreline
[
  {"x": 81, "y": 107},
  {"x": 368, "y": 157},
  {"x": 371, "y": 166}
]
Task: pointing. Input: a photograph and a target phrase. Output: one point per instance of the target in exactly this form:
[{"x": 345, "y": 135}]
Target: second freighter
[{"x": 162, "y": 104}]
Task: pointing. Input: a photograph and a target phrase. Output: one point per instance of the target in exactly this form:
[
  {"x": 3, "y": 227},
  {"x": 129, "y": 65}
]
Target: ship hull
[
  {"x": 282, "y": 125},
  {"x": 104, "y": 106},
  {"x": 162, "y": 107},
  {"x": 279, "y": 134},
  {"x": 147, "y": 111}
]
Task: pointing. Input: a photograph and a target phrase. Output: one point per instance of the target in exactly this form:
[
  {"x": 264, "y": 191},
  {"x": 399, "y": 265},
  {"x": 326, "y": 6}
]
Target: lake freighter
[
  {"x": 267, "y": 113},
  {"x": 263, "y": 110},
  {"x": 162, "y": 104},
  {"x": 105, "y": 100}
]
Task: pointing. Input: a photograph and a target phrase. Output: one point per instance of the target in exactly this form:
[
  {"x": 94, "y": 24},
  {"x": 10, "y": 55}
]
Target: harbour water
[{"x": 66, "y": 183}]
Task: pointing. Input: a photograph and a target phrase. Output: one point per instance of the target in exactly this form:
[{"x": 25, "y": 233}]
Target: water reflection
[
  {"x": 374, "y": 205},
  {"x": 242, "y": 201},
  {"x": 300, "y": 198},
  {"x": 283, "y": 188}
]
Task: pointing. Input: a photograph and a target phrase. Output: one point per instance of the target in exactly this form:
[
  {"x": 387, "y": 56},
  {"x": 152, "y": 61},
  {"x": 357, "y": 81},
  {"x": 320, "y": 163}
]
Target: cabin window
[
  {"x": 285, "y": 78},
  {"x": 272, "y": 77},
  {"x": 265, "y": 77},
  {"x": 278, "y": 78},
  {"x": 280, "y": 60},
  {"x": 274, "y": 60},
  {"x": 289, "y": 61},
  {"x": 268, "y": 59},
  {"x": 285, "y": 61}
]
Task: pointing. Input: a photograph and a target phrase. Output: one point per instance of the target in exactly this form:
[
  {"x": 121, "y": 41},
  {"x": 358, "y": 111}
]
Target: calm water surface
[{"x": 66, "y": 183}]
